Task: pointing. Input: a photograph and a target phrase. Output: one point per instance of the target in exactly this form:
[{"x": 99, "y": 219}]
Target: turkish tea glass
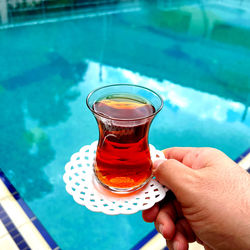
[{"x": 123, "y": 113}]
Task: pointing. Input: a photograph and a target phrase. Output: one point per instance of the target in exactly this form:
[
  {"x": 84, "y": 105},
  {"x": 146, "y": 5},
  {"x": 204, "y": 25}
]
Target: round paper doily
[{"x": 82, "y": 185}]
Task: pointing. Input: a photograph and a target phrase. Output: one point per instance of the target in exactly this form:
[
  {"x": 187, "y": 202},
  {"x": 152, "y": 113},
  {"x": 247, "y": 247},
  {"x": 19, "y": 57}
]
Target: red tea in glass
[{"x": 124, "y": 115}]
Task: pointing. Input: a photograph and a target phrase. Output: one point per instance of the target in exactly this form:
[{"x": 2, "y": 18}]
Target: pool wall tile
[
  {"x": 244, "y": 160},
  {"x": 243, "y": 155},
  {"x": 4, "y": 192},
  {"x": 44, "y": 233},
  {"x": 33, "y": 237},
  {"x": 246, "y": 153},
  {"x": 3, "y": 230},
  {"x": 19, "y": 223},
  {"x": 157, "y": 242},
  {"x": 10, "y": 187},
  {"x": 8, "y": 243},
  {"x": 146, "y": 239},
  {"x": 24, "y": 206},
  {"x": 15, "y": 212},
  {"x": 12, "y": 230}
]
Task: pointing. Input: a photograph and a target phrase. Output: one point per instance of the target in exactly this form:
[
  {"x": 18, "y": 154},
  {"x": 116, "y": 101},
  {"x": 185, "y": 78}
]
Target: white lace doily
[{"x": 82, "y": 185}]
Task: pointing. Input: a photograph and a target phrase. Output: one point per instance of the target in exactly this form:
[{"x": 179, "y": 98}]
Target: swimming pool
[{"x": 196, "y": 56}]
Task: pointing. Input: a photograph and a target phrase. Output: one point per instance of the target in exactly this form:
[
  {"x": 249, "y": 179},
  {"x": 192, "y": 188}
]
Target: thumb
[{"x": 174, "y": 175}]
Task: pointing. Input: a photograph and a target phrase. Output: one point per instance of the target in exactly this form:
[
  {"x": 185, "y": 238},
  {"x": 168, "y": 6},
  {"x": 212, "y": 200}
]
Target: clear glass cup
[{"x": 124, "y": 113}]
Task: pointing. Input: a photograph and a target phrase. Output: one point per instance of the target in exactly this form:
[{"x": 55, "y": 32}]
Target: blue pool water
[{"x": 196, "y": 57}]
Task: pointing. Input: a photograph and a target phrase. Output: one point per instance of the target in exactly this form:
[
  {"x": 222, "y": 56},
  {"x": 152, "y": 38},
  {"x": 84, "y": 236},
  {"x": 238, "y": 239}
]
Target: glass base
[
  {"x": 97, "y": 198},
  {"x": 122, "y": 190}
]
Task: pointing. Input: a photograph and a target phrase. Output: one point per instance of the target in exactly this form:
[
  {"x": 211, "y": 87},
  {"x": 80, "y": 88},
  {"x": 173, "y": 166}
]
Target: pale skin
[{"x": 212, "y": 204}]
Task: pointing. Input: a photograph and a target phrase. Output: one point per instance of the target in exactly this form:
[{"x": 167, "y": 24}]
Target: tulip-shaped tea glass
[{"x": 124, "y": 113}]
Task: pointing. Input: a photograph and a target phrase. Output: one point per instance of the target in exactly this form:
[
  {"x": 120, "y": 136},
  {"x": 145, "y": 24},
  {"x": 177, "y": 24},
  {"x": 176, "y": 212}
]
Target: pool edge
[{"x": 28, "y": 212}]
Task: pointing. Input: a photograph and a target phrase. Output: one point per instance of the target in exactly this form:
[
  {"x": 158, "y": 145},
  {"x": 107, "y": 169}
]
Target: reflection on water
[
  {"x": 205, "y": 47},
  {"x": 30, "y": 102},
  {"x": 188, "y": 100}
]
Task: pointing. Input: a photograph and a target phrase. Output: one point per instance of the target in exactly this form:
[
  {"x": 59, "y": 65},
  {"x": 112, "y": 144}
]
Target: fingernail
[
  {"x": 161, "y": 229},
  {"x": 176, "y": 245},
  {"x": 157, "y": 163}
]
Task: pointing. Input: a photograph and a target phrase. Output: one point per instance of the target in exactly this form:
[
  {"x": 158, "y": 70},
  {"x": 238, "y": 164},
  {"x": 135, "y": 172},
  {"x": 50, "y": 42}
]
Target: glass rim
[{"x": 119, "y": 119}]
